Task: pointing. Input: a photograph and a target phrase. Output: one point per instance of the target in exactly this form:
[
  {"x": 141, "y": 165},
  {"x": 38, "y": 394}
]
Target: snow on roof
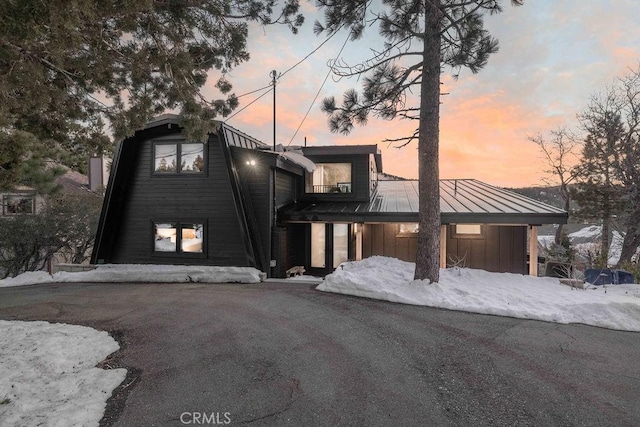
[{"x": 298, "y": 158}]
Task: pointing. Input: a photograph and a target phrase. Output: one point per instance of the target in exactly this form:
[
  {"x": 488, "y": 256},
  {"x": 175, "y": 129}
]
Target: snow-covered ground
[
  {"x": 501, "y": 294},
  {"x": 586, "y": 240},
  {"x": 48, "y": 375},
  {"x": 116, "y": 273}
]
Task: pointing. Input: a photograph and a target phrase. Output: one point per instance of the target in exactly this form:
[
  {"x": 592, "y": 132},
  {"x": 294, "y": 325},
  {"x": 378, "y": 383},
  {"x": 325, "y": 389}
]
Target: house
[
  {"x": 57, "y": 227},
  {"x": 25, "y": 200},
  {"x": 235, "y": 201}
]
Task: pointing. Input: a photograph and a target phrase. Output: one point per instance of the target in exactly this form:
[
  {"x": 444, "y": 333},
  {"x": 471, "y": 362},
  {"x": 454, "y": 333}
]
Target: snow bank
[
  {"x": 49, "y": 376},
  {"x": 115, "y": 273},
  {"x": 501, "y": 294}
]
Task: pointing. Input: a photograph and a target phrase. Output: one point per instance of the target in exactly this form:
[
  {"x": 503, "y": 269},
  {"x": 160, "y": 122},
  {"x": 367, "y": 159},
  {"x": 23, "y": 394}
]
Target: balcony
[{"x": 340, "y": 187}]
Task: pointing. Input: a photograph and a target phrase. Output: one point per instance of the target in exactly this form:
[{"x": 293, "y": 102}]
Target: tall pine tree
[{"x": 421, "y": 36}]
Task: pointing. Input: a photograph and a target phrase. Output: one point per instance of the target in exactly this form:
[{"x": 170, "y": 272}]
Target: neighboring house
[
  {"x": 21, "y": 201},
  {"x": 234, "y": 201}
]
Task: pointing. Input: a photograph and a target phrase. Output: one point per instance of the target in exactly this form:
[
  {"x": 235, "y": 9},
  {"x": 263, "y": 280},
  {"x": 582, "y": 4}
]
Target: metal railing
[{"x": 340, "y": 187}]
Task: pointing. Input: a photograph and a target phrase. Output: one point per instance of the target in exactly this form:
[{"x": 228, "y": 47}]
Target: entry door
[{"x": 329, "y": 245}]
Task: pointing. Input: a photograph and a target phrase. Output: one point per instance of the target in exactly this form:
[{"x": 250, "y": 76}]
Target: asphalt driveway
[{"x": 285, "y": 354}]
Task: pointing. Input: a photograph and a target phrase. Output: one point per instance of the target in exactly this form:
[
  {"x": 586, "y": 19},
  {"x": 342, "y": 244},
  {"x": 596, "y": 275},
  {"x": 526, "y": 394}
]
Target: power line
[
  {"x": 243, "y": 108},
  {"x": 254, "y": 91},
  {"x": 285, "y": 72},
  {"x": 319, "y": 90},
  {"x": 311, "y": 53}
]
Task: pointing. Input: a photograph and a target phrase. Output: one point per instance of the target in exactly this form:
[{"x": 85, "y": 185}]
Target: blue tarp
[{"x": 605, "y": 276}]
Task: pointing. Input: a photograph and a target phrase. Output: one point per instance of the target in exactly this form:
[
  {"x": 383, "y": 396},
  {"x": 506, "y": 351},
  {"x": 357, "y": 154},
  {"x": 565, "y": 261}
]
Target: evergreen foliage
[
  {"x": 608, "y": 185},
  {"x": 563, "y": 251},
  {"x": 420, "y": 38},
  {"x": 71, "y": 71},
  {"x": 66, "y": 228}
]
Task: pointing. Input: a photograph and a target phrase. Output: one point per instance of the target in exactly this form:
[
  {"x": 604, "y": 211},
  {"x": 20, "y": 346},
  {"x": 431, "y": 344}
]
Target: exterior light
[{"x": 251, "y": 162}]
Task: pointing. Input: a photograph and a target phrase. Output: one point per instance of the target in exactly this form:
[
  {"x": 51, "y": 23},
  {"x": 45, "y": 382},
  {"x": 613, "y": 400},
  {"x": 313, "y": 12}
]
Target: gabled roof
[{"x": 461, "y": 201}]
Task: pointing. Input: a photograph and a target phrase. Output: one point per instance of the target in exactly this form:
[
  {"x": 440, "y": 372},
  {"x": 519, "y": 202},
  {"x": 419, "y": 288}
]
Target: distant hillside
[{"x": 548, "y": 195}]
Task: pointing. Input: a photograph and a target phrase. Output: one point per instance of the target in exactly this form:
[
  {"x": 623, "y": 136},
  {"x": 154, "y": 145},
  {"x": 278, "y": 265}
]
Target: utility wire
[
  {"x": 293, "y": 66},
  {"x": 254, "y": 91},
  {"x": 320, "y": 89},
  {"x": 311, "y": 53},
  {"x": 243, "y": 108}
]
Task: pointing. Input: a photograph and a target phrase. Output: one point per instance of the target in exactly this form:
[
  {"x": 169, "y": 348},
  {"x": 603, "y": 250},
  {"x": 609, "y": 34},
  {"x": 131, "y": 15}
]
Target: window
[
  {"x": 330, "y": 178},
  {"x": 474, "y": 229},
  {"x": 318, "y": 248},
  {"x": 340, "y": 244},
  {"x": 17, "y": 204},
  {"x": 178, "y": 158},
  {"x": 178, "y": 237},
  {"x": 468, "y": 231},
  {"x": 408, "y": 228}
]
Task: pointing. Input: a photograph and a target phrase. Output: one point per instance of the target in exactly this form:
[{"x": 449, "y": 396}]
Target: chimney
[{"x": 96, "y": 174}]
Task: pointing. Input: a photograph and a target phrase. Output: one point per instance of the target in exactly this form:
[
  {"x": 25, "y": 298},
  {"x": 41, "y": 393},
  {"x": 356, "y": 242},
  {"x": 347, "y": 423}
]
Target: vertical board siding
[
  {"x": 285, "y": 188},
  {"x": 202, "y": 197},
  {"x": 502, "y": 250}
]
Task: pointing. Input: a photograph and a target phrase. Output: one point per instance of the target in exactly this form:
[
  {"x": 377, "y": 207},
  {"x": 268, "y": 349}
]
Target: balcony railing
[{"x": 340, "y": 187}]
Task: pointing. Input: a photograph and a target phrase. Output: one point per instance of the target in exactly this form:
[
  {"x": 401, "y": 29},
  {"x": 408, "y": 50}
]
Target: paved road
[{"x": 284, "y": 354}]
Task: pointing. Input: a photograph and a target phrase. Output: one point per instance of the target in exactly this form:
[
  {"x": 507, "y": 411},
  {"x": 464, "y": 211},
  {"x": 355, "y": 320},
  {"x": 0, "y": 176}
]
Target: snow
[
  {"x": 546, "y": 240},
  {"x": 586, "y": 241},
  {"x": 500, "y": 294},
  {"x": 587, "y": 232},
  {"x": 49, "y": 376},
  {"x": 118, "y": 273},
  {"x": 297, "y": 157}
]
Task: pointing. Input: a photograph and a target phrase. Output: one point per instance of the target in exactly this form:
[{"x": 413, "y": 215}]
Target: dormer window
[{"x": 330, "y": 178}]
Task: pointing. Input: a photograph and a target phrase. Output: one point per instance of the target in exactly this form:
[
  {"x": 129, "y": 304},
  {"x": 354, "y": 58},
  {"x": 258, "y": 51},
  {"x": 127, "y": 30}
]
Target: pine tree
[
  {"x": 449, "y": 33},
  {"x": 71, "y": 68}
]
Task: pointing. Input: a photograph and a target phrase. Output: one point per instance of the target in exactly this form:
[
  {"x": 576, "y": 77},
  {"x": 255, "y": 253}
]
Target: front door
[{"x": 329, "y": 246}]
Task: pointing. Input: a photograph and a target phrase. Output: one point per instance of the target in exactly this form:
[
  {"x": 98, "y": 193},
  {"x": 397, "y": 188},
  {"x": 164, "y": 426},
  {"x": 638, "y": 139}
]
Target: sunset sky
[{"x": 553, "y": 56}]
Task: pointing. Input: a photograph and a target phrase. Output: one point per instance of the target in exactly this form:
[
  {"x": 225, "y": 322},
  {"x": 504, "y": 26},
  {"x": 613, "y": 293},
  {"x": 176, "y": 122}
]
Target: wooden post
[
  {"x": 533, "y": 250},
  {"x": 443, "y": 246},
  {"x": 358, "y": 230}
]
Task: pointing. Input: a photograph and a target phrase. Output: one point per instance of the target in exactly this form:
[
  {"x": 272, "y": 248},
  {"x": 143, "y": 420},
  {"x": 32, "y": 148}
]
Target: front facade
[{"x": 233, "y": 201}]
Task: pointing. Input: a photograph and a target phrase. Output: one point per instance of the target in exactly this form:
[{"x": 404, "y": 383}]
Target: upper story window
[
  {"x": 17, "y": 204},
  {"x": 330, "y": 178},
  {"x": 178, "y": 157}
]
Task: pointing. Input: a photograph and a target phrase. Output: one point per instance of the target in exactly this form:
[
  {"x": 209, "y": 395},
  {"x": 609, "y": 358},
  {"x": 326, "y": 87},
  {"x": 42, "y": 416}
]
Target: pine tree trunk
[
  {"x": 564, "y": 191},
  {"x": 631, "y": 238},
  {"x": 428, "y": 245}
]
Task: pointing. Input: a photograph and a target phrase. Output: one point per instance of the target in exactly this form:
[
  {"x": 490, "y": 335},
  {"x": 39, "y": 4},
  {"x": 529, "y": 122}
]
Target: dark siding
[
  {"x": 285, "y": 188},
  {"x": 360, "y": 189},
  {"x": 256, "y": 184},
  {"x": 203, "y": 197}
]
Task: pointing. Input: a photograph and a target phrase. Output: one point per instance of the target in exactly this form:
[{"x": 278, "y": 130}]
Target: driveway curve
[{"x": 285, "y": 354}]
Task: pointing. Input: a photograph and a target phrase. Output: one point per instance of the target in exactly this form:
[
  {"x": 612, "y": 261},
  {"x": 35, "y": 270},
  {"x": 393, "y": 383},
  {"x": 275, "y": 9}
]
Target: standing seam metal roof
[{"x": 461, "y": 200}]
